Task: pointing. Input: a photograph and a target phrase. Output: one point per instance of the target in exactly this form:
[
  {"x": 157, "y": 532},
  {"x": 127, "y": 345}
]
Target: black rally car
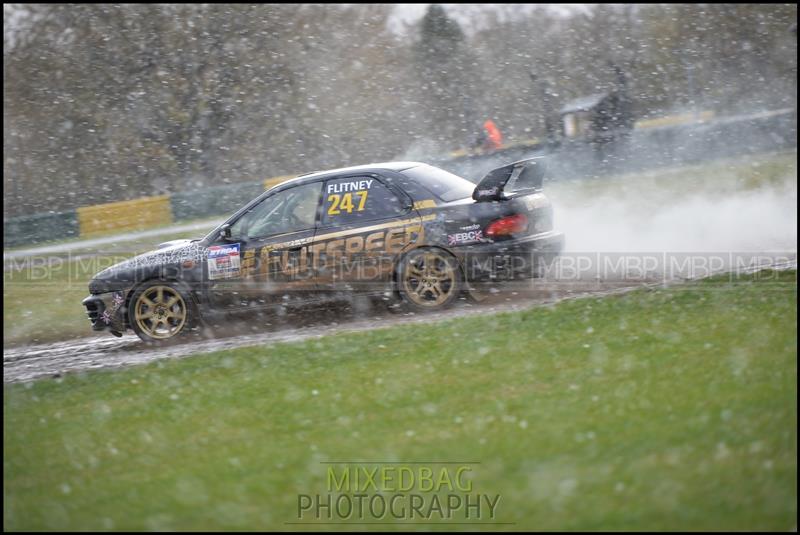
[{"x": 402, "y": 229}]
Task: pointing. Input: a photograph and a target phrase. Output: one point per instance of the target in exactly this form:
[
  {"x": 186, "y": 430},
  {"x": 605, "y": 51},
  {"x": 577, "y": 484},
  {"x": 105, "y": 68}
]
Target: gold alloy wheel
[
  {"x": 160, "y": 312},
  {"x": 429, "y": 279}
]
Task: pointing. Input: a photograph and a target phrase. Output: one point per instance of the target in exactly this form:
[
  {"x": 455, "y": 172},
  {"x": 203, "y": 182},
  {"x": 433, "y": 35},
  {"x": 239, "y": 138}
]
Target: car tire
[
  {"x": 161, "y": 312},
  {"x": 428, "y": 279}
]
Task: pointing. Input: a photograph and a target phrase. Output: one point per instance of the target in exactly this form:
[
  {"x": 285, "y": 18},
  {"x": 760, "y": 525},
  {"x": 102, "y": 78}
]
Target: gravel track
[{"x": 27, "y": 363}]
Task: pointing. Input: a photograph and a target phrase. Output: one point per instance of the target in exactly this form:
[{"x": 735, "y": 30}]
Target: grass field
[
  {"x": 658, "y": 409},
  {"x": 720, "y": 177}
]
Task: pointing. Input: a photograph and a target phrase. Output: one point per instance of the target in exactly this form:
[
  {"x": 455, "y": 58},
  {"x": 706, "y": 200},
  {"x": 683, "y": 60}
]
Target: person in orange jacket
[{"x": 490, "y": 138}]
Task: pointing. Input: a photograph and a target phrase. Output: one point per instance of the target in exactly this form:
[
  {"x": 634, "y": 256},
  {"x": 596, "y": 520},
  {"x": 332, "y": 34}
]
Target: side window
[
  {"x": 291, "y": 210},
  {"x": 356, "y": 199}
]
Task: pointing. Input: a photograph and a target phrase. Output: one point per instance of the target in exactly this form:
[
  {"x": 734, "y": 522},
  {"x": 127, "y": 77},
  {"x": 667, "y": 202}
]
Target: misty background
[{"x": 113, "y": 102}]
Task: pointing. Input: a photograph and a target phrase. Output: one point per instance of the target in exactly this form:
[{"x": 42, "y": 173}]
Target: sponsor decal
[
  {"x": 223, "y": 261},
  {"x": 331, "y": 251},
  {"x": 460, "y": 238},
  {"x": 476, "y": 226},
  {"x": 118, "y": 299}
]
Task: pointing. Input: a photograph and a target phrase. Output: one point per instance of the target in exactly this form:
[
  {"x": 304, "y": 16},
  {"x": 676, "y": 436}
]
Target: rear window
[{"x": 443, "y": 185}]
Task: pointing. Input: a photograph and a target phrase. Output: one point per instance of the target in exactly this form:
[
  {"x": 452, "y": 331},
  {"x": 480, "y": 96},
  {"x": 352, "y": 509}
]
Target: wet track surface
[{"x": 104, "y": 351}]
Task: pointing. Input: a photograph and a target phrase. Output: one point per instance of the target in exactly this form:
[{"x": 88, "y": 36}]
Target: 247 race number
[{"x": 338, "y": 203}]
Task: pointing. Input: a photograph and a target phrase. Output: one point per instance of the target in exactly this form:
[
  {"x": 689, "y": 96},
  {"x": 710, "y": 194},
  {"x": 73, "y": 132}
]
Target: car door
[
  {"x": 365, "y": 222},
  {"x": 265, "y": 258}
]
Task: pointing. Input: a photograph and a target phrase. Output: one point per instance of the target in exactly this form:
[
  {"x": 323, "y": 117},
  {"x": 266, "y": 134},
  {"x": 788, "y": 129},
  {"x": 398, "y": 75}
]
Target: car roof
[
  {"x": 383, "y": 166},
  {"x": 321, "y": 175}
]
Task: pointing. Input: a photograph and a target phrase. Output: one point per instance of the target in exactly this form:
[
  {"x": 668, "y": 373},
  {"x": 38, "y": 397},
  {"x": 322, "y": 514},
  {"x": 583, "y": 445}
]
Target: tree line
[{"x": 111, "y": 102}]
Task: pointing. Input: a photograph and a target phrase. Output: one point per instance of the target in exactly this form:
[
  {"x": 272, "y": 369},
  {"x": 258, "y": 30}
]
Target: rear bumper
[{"x": 512, "y": 259}]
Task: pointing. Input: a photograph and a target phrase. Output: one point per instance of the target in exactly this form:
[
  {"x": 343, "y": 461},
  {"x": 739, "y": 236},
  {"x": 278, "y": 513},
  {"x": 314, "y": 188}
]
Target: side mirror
[{"x": 225, "y": 232}]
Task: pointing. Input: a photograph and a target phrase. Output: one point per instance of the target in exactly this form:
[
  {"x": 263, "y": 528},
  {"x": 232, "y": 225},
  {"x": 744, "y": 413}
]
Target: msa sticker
[
  {"x": 223, "y": 261},
  {"x": 465, "y": 237}
]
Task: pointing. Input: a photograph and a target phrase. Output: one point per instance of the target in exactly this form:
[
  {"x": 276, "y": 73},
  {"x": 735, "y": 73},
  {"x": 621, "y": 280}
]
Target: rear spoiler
[{"x": 518, "y": 177}]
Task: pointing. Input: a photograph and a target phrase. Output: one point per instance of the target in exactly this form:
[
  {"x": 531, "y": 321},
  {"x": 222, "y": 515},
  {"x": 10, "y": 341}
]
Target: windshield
[
  {"x": 444, "y": 185},
  {"x": 286, "y": 211}
]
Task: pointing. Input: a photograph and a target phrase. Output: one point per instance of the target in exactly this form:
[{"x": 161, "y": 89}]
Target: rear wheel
[
  {"x": 161, "y": 312},
  {"x": 429, "y": 279}
]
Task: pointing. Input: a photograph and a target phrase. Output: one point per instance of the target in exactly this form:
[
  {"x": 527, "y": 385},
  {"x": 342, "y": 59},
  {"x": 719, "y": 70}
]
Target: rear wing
[{"x": 524, "y": 176}]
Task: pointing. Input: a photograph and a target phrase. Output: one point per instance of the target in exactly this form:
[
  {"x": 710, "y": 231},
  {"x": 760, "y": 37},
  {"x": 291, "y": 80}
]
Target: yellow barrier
[
  {"x": 524, "y": 143},
  {"x": 673, "y": 120},
  {"x": 136, "y": 214},
  {"x": 272, "y": 182}
]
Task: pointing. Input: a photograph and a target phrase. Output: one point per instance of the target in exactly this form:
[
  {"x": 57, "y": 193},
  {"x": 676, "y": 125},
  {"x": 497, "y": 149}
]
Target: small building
[{"x": 599, "y": 117}]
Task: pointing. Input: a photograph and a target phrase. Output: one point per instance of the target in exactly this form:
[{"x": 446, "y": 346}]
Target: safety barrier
[
  {"x": 675, "y": 120},
  {"x": 37, "y": 228},
  {"x": 272, "y": 182},
  {"x": 136, "y": 214},
  {"x": 213, "y": 201}
]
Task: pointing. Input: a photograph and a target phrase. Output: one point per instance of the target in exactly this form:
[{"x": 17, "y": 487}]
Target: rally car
[{"x": 407, "y": 230}]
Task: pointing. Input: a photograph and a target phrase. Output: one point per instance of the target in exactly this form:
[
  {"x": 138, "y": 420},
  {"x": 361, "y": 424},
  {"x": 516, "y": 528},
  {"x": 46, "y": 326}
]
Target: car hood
[
  {"x": 171, "y": 254},
  {"x": 173, "y": 243}
]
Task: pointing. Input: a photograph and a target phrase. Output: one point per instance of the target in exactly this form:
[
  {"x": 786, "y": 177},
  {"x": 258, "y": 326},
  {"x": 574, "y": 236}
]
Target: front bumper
[
  {"x": 106, "y": 311},
  {"x": 512, "y": 259}
]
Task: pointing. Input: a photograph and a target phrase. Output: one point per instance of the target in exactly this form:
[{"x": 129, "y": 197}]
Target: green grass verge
[
  {"x": 661, "y": 409},
  {"x": 42, "y": 304},
  {"x": 42, "y": 301},
  {"x": 165, "y": 231},
  {"x": 650, "y": 190}
]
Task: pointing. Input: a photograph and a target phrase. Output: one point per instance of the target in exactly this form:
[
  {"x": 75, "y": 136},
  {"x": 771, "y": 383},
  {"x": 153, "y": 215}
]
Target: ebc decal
[
  {"x": 223, "y": 261},
  {"x": 462, "y": 238}
]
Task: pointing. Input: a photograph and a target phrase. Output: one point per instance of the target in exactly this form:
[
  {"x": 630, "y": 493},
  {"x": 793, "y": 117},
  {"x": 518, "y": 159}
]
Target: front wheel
[
  {"x": 161, "y": 312},
  {"x": 429, "y": 279}
]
